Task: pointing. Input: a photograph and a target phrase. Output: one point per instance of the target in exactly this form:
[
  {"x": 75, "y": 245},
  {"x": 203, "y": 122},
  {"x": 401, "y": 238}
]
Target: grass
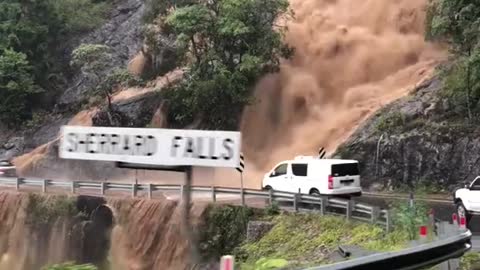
[
  {"x": 309, "y": 239},
  {"x": 423, "y": 187},
  {"x": 470, "y": 261}
]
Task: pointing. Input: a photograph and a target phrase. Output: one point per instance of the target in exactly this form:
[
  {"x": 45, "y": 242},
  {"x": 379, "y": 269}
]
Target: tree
[
  {"x": 16, "y": 86},
  {"x": 458, "y": 23},
  {"x": 80, "y": 15},
  {"x": 39, "y": 29},
  {"x": 228, "y": 45}
]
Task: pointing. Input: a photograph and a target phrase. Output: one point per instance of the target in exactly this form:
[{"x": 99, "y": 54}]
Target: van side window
[
  {"x": 281, "y": 169},
  {"x": 475, "y": 185},
  {"x": 299, "y": 169}
]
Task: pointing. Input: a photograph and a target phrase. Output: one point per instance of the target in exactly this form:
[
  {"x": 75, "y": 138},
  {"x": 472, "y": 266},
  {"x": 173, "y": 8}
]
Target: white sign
[{"x": 169, "y": 147}]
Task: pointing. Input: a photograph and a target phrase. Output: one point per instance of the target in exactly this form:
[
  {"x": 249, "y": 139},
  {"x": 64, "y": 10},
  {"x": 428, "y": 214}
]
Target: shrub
[
  {"x": 80, "y": 15},
  {"x": 224, "y": 229},
  {"x": 408, "y": 219},
  {"x": 272, "y": 209},
  {"x": 119, "y": 78},
  {"x": 390, "y": 122}
]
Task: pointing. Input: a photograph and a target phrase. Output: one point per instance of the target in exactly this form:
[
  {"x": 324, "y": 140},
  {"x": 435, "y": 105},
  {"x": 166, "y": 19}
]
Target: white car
[
  {"x": 315, "y": 176},
  {"x": 467, "y": 199},
  {"x": 7, "y": 169}
]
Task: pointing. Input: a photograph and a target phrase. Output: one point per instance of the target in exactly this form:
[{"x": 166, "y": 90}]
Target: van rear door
[{"x": 345, "y": 175}]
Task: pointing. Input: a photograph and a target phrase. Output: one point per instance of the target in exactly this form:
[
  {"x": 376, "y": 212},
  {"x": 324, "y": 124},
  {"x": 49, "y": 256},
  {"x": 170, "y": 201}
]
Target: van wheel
[
  {"x": 267, "y": 188},
  {"x": 357, "y": 194},
  {"x": 314, "y": 192}
]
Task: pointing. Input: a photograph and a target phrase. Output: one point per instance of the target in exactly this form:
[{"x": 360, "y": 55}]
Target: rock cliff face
[
  {"x": 415, "y": 142},
  {"x": 123, "y": 33}
]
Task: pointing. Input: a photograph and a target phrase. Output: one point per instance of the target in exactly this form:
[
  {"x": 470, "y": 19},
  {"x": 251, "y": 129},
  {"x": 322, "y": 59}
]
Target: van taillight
[{"x": 330, "y": 182}]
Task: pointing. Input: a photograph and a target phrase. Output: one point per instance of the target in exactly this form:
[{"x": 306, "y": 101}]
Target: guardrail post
[
  {"x": 150, "y": 188},
  {"x": 323, "y": 206},
  {"x": 214, "y": 196},
  {"x": 134, "y": 190},
  {"x": 375, "y": 213},
  {"x": 242, "y": 195},
  {"x": 349, "y": 211},
  {"x": 17, "y": 183},
  {"x": 181, "y": 192},
  {"x": 295, "y": 202},
  {"x": 72, "y": 187},
  {"x": 270, "y": 196},
  {"x": 102, "y": 188},
  {"x": 388, "y": 221},
  {"x": 44, "y": 185}
]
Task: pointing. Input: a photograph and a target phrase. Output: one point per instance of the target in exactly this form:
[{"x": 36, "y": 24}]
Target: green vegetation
[
  {"x": 16, "y": 86},
  {"x": 32, "y": 34},
  {"x": 315, "y": 238},
  {"x": 266, "y": 264},
  {"x": 391, "y": 122},
  {"x": 457, "y": 23},
  {"x": 227, "y": 45},
  {"x": 408, "y": 218},
  {"x": 224, "y": 229},
  {"x": 470, "y": 261},
  {"x": 272, "y": 209},
  {"x": 421, "y": 187},
  {"x": 70, "y": 266},
  {"x": 43, "y": 210}
]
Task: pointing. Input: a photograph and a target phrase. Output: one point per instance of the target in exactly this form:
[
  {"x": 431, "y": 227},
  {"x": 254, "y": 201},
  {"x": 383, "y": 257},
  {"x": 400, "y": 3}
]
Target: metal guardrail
[
  {"x": 296, "y": 201},
  {"x": 451, "y": 241}
]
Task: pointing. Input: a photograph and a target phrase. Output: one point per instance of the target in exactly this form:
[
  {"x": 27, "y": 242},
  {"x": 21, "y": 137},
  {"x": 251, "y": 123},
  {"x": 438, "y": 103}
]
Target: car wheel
[{"x": 267, "y": 188}]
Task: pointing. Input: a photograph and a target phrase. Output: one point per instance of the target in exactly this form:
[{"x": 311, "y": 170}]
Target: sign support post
[
  {"x": 136, "y": 176},
  {"x": 240, "y": 168},
  {"x": 187, "y": 198}
]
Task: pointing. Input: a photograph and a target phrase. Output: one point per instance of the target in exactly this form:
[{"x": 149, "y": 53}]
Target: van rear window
[{"x": 345, "y": 169}]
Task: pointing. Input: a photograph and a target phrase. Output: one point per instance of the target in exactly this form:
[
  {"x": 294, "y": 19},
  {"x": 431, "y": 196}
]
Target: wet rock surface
[{"x": 424, "y": 146}]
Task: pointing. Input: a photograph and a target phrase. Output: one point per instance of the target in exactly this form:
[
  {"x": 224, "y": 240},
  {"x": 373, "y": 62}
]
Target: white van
[{"x": 314, "y": 176}]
